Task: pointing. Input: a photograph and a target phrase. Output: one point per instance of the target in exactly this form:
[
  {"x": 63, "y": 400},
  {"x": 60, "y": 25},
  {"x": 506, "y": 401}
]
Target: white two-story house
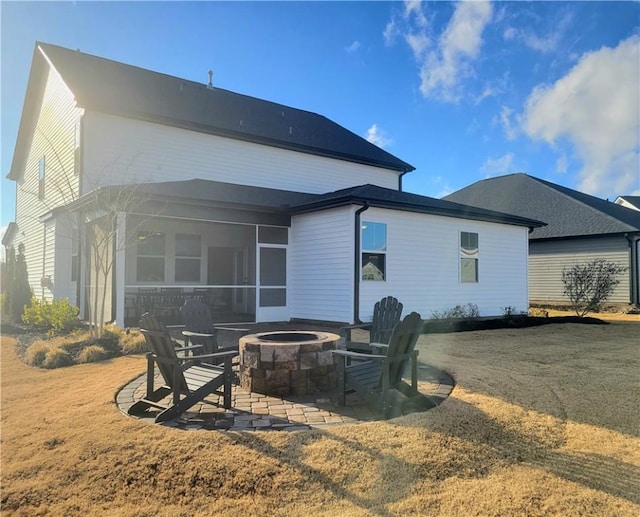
[{"x": 274, "y": 212}]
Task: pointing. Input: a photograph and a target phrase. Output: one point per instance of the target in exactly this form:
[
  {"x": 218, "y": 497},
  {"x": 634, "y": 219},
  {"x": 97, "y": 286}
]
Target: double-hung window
[
  {"x": 374, "y": 250},
  {"x": 150, "y": 258},
  {"x": 188, "y": 257},
  {"x": 469, "y": 254}
]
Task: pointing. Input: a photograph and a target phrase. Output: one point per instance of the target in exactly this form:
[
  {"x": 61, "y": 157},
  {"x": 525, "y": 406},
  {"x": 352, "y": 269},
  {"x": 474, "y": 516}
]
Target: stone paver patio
[{"x": 254, "y": 411}]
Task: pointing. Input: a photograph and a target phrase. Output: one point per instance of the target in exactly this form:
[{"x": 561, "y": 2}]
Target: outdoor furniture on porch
[
  {"x": 386, "y": 315},
  {"x": 188, "y": 380},
  {"x": 377, "y": 378},
  {"x": 199, "y": 328}
]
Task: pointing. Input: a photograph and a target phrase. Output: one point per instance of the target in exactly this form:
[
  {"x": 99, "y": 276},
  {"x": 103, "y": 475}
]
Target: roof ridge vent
[{"x": 210, "y": 84}]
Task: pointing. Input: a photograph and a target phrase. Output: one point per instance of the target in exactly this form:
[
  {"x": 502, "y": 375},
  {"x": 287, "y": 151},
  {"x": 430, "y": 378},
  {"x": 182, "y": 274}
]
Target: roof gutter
[{"x": 356, "y": 263}]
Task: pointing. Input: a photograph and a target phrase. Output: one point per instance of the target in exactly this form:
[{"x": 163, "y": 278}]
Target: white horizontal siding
[
  {"x": 122, "y": 150},
  {"x": 53, "y": 138},
  {"x": 321, "y": 265},
  {"x": 64, "y": 287},
  {"x": 423, "y": 259},
  {"x": 548, "y": 259}
]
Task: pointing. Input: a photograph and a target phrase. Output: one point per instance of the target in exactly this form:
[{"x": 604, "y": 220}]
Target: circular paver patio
[{"x": 254, "y": 411}]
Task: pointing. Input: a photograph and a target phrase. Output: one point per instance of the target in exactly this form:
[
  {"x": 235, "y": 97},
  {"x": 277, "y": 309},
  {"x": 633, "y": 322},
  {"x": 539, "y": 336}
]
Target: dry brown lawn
[{"x": 543, "y": 421}]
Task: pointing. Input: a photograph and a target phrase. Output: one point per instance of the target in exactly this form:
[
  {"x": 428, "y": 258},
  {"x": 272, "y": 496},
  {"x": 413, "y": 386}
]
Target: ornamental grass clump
[
  {"x": 56, "y": 358},
  {"x": 92, "y": 354},
  {"x": 133, "y": 342}
]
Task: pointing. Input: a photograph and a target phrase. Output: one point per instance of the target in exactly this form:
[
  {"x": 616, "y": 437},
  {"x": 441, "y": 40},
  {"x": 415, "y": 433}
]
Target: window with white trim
[
  {"x": 469, "y": 253},
  {"x": 374, "y": 250},
  {"x": 150, "y": 257},
  {"x": 188, "y": 257}
]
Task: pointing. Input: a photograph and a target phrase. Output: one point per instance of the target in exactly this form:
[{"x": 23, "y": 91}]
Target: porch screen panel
[{"x": 273, "y": 272}]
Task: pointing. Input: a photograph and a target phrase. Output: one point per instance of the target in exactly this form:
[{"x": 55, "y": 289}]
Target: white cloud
[
  {"x": 443, "y": 69},
  {"x": 595, "y": 106},
  {"x": 505, "y": 120},
  {"x": 419, "y": 43},
  {"x": 390, "y": 32},
  {"x": 353, "y": 47},
  {"x": 498, "y": 166},
  {"x": 378, "y": 136},
  {"x": 550, "y": 42},
  {"x": 562, "y": 163},
  {"x": 413, "y": 9}
]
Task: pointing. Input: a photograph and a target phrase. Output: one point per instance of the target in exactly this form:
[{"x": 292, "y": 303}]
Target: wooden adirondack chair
[
  {"x": 377, "y": 378},
  {"x": 188, "y": 380},
  {"x": 386, "y": 315},
  {"x": 199, "y": 328}
]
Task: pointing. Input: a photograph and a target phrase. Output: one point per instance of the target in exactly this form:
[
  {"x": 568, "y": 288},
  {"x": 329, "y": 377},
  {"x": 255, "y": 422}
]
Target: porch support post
[{"x": 119, "y": 267}]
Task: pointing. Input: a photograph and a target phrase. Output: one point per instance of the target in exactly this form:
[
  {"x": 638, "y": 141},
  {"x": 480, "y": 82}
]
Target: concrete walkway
[{"x": 254, "y": 411}]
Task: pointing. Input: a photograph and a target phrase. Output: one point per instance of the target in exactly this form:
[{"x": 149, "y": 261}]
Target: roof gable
[
  {"x": 109, "y": 86},
  {"x": 567, "y": 212}
]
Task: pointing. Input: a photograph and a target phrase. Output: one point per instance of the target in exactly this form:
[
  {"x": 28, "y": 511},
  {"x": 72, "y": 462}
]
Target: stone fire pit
[{"x": 288, "y": 363}]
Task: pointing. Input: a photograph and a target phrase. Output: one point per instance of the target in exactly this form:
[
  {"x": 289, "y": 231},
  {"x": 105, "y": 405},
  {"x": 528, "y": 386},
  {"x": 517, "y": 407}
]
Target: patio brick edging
[{"x": 255, "y": 412}]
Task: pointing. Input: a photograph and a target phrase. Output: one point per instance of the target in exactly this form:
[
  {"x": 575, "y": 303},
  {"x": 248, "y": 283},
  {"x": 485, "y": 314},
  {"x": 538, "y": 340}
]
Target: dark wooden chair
[
  {"x": 377, "y": 378},
  {"x": 386, "y": 315},
  {"x": 199, "y": 328},
  {"x": 187, "y": 379}
]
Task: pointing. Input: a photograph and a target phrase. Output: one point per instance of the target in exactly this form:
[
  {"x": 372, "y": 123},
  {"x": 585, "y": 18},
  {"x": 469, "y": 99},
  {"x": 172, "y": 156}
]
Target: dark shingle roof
[
  {"x": 290, "y": 202},
  {"x": 374, "y": 195},
  {"x": 216, "y": 193},
  {"x": 567, "y": 212},
  {"x": 113, "y": 87}
]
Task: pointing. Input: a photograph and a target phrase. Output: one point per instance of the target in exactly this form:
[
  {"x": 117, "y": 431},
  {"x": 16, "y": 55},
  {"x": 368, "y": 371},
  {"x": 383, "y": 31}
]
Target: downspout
[
  {"x": 634, "y": 243},
  {"x": 400, "y": 180},
  {"x": 357, "y": 265}
]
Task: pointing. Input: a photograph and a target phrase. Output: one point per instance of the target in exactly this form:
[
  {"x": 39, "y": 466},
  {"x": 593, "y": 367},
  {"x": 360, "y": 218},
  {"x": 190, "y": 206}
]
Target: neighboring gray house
[
  {"x": 632, "y": 202},
  {"x": 277, "y": 213},
  {"x": 579, "y": 228}
]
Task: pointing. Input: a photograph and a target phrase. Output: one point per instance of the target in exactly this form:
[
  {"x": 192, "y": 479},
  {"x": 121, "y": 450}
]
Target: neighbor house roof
[
  {"x": 108, "y": 86},
  {"x": 632, "y": 202},
  {"x": 215, "y": 193},
  {"x": 567, "y": 212}
]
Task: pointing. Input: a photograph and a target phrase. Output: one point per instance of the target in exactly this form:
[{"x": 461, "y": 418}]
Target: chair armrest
[
  {"x": 231, "y": 329},
  {"x": 217, "y": 355},
  {"x": 356, "y": 355},
  {"x": 189, "y": 333},
  {"x": 356, "y": 326},
  {"x": 191, "y": 347}
]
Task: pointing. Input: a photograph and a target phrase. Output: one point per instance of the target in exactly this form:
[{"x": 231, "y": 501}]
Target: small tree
[
  {"x": 18, "y": 291},
  {"x": 589, "y": 285}
]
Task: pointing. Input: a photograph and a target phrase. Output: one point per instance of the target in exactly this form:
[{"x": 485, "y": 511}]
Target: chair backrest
[
  {"x": 160, "y": 343},
  {"x": 386, "y": 315},
  {"x": 403, "y": 341},
  {"x": 196, "y": 316}
]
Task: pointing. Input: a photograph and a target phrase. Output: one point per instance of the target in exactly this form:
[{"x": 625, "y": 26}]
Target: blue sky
[{"x": 462, "y": 91}]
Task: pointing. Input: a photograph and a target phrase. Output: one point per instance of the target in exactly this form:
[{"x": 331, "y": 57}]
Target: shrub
[
  {"x": 36, "y": 353},
  {"x": 56, "y": 316},
  {"x": 133, "y": 342},
  {"x": 92, "y": 353},
  {"x": 588, "y": 285},
  {"x": 470, "y": 310},
  {"x": 56, "y": 358}
]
